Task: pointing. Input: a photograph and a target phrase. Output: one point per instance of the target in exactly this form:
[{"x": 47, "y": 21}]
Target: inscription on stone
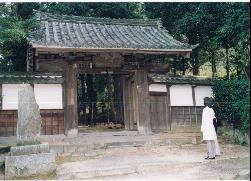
[{"x": 29, "y": 118}]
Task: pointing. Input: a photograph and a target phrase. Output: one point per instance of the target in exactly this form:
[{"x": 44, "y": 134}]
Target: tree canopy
[{"x": 220, "y": 29}]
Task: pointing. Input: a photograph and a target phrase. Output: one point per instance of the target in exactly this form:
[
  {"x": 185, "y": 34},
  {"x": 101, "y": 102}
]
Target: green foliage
[
  {"x": 13, "y": 34},
  {"x": 214, "y": 26},
  {"x": 4, "y": 150},
  {"x": 5, "y": 65},
  {"x": 2, "y": 167},
  {"x": 233, "y": 102},
  {"x": 233, "y": 136},
  {"x": 239, "y": 138},
  {"x": 111, "y": 10}
]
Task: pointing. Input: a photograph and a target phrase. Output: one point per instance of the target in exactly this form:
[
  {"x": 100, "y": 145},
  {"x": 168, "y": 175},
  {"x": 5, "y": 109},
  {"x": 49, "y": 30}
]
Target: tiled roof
[
  {"x": 23, "y": 77},
  {"x": 170, "y": 79},
  {"x": 61, "y": 31}
]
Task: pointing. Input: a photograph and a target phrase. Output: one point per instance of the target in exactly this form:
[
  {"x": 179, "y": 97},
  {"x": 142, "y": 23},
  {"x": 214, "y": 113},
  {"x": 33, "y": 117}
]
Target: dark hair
[{"x": 207, "y": 101}]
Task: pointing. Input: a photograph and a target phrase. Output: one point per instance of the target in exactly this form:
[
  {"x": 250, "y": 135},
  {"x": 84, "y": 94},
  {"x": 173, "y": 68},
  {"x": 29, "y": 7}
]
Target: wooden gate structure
[{"x": 74, "y": 45}]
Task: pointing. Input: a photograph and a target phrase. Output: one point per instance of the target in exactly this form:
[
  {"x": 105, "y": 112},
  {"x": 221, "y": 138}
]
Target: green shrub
[
  {"x": 4, "y": 150},
  {"x": 2, "y": 166},
  {"x": 239, "y": 138},
  {"x": 232, "y": 98},
  {"x": 234, "y": 136}
]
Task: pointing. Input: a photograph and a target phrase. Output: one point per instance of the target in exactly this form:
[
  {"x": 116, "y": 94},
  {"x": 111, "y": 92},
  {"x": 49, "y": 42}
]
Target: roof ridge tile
[{"x": 45, "y": 16}]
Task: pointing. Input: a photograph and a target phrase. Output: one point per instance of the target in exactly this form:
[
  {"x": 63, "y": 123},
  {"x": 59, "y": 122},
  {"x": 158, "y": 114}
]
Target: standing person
[
  {"x": 207, "y": 128},
  {"x": 216, "y": 124}
]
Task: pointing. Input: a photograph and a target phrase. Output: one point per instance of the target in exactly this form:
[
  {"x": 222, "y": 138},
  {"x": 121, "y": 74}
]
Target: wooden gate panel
[
  {"x": 158, "y": 107},
  {"x": 52, "y": 122}
]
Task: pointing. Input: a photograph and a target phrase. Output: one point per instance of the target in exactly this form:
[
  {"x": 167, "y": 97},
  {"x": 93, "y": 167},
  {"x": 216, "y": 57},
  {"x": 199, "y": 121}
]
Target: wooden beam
[
  {"x": 70, "y": 101},
  {"x": 103, "y": 71},
  {"x": 184, "y": 52},
  {"x": 142, "y": 102}
]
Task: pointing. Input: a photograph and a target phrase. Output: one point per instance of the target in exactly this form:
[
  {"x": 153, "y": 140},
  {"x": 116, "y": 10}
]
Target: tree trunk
[
  {"x": 195, "y": 63},
  {"x": 238, "y": 71},
  {"x": 196, "y": 66},
  {"x": 227, "y": 64},
  {"x": 174, "y": 66},
  {"x": 213, "y": 66},
  {"x": 247, "y": 69},
  {"x": 183, "y": 68}
]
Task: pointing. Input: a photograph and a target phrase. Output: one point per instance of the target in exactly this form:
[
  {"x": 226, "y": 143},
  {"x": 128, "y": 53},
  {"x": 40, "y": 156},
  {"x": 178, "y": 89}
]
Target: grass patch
[
  {"x": 4, "y": 150},
  {"x": 244, "y": 177},
  {"x": 71, "y": 158},
  {"x": 28, "y": 143},
  {"x": 45, "y": 176}
]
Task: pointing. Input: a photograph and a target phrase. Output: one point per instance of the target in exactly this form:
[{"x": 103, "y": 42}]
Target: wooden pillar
[
  {"x": 70, "y": 101},
  {"x": 126, "y": 103},
  {"x": 193, "y": 95},
  {"x": 168, "y": 101},
  {"x": 142, "y": 102},
  {"x": 1, "y": 98},
  {"x": 118, "y": 99},
  {"x": 131, "y": 109}
]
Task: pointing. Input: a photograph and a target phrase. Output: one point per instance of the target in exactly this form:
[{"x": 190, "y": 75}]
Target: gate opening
[{"x": 100, "y": 102}]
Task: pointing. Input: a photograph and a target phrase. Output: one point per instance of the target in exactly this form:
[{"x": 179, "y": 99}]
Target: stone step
[
  {"x": 119, "y": 165},
  {"x": 83, "y": 148}
]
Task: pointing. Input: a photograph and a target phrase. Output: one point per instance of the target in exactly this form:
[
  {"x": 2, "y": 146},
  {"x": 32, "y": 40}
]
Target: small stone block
[
  {"x": 69, "y": 148},
  {"x": 26, "y": 165},
  {"x": 57, "y": 148},
  {"x": 82, "y": 148}
]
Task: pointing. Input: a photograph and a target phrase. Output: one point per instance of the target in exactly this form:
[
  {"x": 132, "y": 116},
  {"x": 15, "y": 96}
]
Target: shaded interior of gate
[{"x": 100, "y": 99}]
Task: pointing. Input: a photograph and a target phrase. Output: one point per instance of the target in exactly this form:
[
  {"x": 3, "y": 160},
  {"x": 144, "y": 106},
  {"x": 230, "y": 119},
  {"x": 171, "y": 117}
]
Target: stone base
[
  {"x": 72, "y": 132},
  {"x": 29, "y": 160}
]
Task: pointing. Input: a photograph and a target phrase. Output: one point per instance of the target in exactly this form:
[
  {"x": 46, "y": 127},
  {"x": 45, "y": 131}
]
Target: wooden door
[{"x": 159, "y": 113}]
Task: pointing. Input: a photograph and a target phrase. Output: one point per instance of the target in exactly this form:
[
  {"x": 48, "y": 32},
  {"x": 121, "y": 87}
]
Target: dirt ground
[
  {"x": 167, "y": 162},
  {"x": 177, "y": 160},
  {"x": 181, "y": 162}
]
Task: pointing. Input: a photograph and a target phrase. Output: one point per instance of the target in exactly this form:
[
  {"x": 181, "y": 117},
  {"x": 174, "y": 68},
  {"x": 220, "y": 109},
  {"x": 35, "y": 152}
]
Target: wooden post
[
  {"x": 126, "y": 104},
  {"x": 142, "y": 102},
  {"x": 168, "y": 101},
  {"x": 118, "y": 94},
  {"x": 193, "y": 95},
  {"x": 194, "y": 104},
  {"x": 70, "y": 101},
  {"x": 1, "y": 98}
]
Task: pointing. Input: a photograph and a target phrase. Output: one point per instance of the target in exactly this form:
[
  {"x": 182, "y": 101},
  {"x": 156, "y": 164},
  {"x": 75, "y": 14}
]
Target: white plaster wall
[
  {"x": 181, "y": 95},
  {"x": 157, "y": 88},
  {"x": 200, "y": 93},
  {"x": 10, "y": 96},
  {"x": 49, "y": 96}
]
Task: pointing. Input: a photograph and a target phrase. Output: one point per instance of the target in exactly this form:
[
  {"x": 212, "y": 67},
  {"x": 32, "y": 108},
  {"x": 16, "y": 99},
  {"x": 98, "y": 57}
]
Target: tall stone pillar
[
  {"x": 70, "y": 101},
  {"x": 142, "y": 102}
]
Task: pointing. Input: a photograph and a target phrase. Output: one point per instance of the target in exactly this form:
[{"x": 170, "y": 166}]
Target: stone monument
[
  {"x": 29, "y": 118},
  {"x": 30, "y": 156}
]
